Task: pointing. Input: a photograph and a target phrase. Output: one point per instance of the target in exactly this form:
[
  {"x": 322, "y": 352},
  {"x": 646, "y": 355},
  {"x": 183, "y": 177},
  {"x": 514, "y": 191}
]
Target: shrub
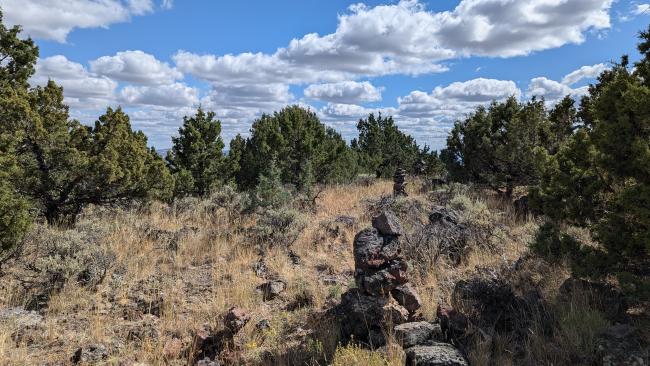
[
  {"x": 278, "y": 227},
  {"x": 53, "y": 257}
]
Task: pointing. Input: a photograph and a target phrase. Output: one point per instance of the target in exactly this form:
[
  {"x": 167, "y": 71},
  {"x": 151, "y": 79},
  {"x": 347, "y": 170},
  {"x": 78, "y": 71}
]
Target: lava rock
[
  {"x": 90, "y": 354},
  {"x": 438, "y": 354},
  {"x": 407, "y": 297},
  {"x": 387, "y": 224},
  {"x": 414, "y": 333},
  {"x": 272, "y": 289}
]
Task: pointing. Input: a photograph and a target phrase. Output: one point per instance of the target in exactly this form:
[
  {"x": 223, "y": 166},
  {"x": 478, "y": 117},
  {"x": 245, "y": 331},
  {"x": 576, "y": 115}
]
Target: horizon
[{"x": 426, "y": 63}]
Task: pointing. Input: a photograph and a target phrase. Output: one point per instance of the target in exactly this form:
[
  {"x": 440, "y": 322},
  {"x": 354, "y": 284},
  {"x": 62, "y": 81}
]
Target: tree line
[
  {"x": 584, "y": 163},
  {"x": 54, "y": 166}
]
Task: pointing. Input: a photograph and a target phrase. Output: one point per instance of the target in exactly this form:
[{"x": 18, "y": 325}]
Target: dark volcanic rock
[
  {"x": 407, "y": 297},
  {"x": 379, "y": 265},
  {"x": 414, "y": 333},
  {"x": 271, "y": 289},
  {"x": 363, "y": 317},
  {"x": 438, "y": 354},
  {"x": 91, "y": 354},
  {"x": 387, "y": 224},
  {"x": 603, "y": 297}
]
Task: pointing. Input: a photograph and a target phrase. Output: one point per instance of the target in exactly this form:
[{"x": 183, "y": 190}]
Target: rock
[
  {"x": 522, "y": 205},
  {"x": 263, "y": 324},
  {"x": 438, "y": 354},
  {"x": 347, "y": 221},
  {"x": 407, "y": 297},
  {"x": 236, "y": 319},
  {"x": 23, "y": 321},
  {"x": 379, "y": 265},
  {"x": 271, "y": 289},
  {"x": 622, "y": 344},
  {"x": 295, "y": 258},
  {"x": 91, "y": 354},
  {"x": 363, "y": 317},
  {"x": 414, "y": 333},
  {"x": 603, "y": 297},
  {"x": 452, "y": 323},
  {"x": 387, "y": 224},
  {"x": 399, "y": 183}
]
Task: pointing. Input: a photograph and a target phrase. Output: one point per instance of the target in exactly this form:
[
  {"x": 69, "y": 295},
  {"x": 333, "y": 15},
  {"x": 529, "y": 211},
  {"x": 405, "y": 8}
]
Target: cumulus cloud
[
  {"x": 173, "y": 95},
  {"x": 585, "y": 72},
  {"x": 80, "y": 86},
  {"x": 344, "y": 92},
  {"x": 449, "y": 102},
  {"x": 55, "y": 19},
  {"x": 552, "y": 90},
  {"x": 406, "y": 38},
  {"x": 135, "y": 67}
]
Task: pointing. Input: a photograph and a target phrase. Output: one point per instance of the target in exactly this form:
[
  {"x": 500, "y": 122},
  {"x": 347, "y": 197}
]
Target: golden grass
[{"x": 223, "y": 262}]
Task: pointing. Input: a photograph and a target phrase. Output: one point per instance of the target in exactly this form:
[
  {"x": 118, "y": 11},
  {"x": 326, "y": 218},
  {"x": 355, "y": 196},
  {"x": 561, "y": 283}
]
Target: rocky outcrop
[
  {"x": 416, "y": 333},
  {"x": 209, "y": 344}
]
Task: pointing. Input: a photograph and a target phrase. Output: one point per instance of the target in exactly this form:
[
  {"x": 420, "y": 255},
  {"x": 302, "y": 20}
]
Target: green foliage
[
  {"x": 300, "y": 142},
  {"x": 15, "y": 218},
  {"x": 18, "y": 57},
  {"x": 382, "y": 147},
  {"x": 277, "y": 227},
  {"x": 196, "y": 159},
  {"x": 600, "y": 178},
  {"x": 270, "y": 192},
  {"x": 496, "y": 146}
]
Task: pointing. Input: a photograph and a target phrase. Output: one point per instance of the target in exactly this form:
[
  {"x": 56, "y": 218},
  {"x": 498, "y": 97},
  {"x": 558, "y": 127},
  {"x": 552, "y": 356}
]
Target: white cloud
[
  {"x": 344, "y": 92},
  {"x": 406, "y": 38},
  {"x": 585, "y": 72},
  {"x": 449, "y": 102},
  {"x": 641, "y": 9},
  {"x": 167, "y": 4},
  {"x": 55, "y": 19},
  {"x": 551, "y": 90},
  {"x": 173, "y": 95},
  {"x": 135, "y": 67},
  {"x": 79, "y": 85}
]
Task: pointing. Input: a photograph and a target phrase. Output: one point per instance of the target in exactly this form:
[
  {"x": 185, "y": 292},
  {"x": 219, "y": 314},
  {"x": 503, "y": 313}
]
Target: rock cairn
[
  {"x": 384, "y": 302},
  {"x": 399, "y": 182},
  {"x": 383, "y": 294}
]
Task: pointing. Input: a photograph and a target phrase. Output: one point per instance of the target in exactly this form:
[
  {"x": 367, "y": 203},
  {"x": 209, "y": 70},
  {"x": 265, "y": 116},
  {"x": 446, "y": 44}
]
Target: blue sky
[{"x": 425, "y": 62}]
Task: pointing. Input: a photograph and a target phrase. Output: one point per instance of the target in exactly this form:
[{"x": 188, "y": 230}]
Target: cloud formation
[
  {"x": 135, "y": 67},
  {"x": 344, "y": 92},
  {"x": 55, "y": 19}
]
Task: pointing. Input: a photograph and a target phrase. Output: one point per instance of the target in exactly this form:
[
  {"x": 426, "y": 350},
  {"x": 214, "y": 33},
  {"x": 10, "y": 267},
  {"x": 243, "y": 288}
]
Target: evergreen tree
[
  {"x": 496, "y": 146},
  {"x": 600, "y": 178},
  {"x": 270, "y": 191},
  {"x": 196, "y": 159},
  {"x": 17, "y": 59},
  {"x": 299, "y": 141},
  {"x": 382, "y": 147},
  {"x": 234, "y": 159}
]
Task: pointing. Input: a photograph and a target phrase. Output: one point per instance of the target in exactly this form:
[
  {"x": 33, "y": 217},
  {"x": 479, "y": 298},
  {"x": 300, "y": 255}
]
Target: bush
[
  {"x": 53, "y": 257},
  {"x": 277, "y": 227}
]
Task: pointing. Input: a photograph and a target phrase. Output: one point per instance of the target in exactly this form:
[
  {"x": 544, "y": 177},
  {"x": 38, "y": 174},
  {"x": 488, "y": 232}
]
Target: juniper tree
[
  {"x": 600, "y": 178},
  {"x": 196, "y": 159}
]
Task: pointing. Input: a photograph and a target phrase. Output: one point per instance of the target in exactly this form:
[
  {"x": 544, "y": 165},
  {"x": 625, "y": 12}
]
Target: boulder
[
  {"x": 380, "y": 268},
  {"x": 271, "y": 289},
  {"x": 415, "y": 333},
  {"x": 407, "y": 297},
  {"x": 452, "y": 323},
  {"x": 387, "y": 224},
  {"x": 363, "y": 317},
  {"x": 437, "y": 354}
]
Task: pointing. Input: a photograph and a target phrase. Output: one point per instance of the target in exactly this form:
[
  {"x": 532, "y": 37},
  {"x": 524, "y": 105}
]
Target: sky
[{"x": 426, "y": 63}]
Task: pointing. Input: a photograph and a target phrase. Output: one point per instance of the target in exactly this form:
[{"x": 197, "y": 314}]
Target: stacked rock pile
[
  {"x": 399, "y": 182},
  {"x": 384, "y": 302}
]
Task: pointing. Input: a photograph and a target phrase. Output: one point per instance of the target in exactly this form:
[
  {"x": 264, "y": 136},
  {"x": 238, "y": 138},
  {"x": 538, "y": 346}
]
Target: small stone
[
  {"x": 207, "y": 362},
  {"x": 438, "y": 354},
  {"x": 235, "y": 319},
  {"x": 413, "y": 334},
  {"x": 387, "y": 224},
  {"x": 272, "y": 289},
  {"x": 407, "y": 297},
  {"x": 263, "y": 324}
]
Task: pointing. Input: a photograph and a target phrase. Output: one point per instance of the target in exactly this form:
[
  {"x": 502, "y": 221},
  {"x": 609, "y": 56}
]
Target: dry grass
[{"x": 211, "y": 270}]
